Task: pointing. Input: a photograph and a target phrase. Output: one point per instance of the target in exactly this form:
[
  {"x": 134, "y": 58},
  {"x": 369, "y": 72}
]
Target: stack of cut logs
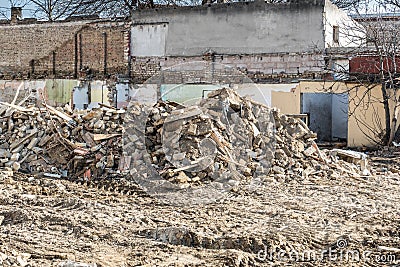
[{"x": 224, "y": 136}]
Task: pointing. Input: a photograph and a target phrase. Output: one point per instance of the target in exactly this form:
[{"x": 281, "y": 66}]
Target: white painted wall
[
  {"x": 145, "y": 93},
  {"x": 149, "y": 39},
  {"x": 351, "y": 33}
]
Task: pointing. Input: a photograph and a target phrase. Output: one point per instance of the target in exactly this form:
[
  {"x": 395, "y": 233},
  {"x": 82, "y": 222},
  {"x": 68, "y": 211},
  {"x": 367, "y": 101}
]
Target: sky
[
  {"x": 28, "y": 12},
  {"x": 5, "y": 7}
]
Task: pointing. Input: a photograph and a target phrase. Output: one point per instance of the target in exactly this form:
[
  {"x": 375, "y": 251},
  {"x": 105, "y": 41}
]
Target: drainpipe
[
  {"x": 80, "y": 52},
  {"x": 76, "y": 56},
  {"x": 129, "y": 55},
  {"x": 54, "y": 63},
  {"x": 32, "y": 66}
]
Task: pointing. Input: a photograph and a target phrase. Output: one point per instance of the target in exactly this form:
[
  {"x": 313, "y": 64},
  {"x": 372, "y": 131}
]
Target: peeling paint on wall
[
  {"x": 98, "y": 93},
  {"x": 187, "y": 93},
  {"x": 59, "y": 91}
]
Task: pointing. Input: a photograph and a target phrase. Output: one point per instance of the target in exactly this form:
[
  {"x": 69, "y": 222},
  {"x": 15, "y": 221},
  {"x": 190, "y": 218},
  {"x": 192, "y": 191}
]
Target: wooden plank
[{"x": 99, "y": 137}]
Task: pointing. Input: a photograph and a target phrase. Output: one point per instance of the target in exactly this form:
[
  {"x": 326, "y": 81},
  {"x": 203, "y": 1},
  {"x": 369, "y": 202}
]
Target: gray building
[{"x": 262, "y": 39}]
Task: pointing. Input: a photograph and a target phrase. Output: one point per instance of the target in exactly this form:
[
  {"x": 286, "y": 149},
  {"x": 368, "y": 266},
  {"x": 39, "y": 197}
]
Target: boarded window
[{"x": 336, "y": 34}]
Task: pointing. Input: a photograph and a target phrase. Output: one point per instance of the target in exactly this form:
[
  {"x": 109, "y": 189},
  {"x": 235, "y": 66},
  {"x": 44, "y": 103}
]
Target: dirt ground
[{"x": 313, "y": 222}]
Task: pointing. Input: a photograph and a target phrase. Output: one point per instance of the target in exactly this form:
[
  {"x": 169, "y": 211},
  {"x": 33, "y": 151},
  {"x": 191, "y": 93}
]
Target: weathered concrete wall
[
  {"x": 62, "y": 49},
  {"x": 267, "y": 42},
  {"x": 149, "y": 40},
  {"x": 240, "y": 28}
]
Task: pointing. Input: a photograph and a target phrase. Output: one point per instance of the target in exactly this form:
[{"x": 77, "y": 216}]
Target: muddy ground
[{"x": 318, "y": 221}]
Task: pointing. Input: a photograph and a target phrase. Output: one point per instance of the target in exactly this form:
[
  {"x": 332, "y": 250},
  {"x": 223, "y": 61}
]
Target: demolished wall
[
  {"x": 268, "y": 42},
  {"x": 65, "y": 49},
  {"x": 58, "y": 92}
]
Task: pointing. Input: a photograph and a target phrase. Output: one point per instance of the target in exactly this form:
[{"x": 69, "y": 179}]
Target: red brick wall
[{"x": 36, "y": 50}]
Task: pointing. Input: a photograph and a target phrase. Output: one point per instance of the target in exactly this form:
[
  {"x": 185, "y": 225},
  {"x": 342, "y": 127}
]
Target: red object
[
  {"x": 371, "y": 65},
  {"x": 87, "y": 175}
]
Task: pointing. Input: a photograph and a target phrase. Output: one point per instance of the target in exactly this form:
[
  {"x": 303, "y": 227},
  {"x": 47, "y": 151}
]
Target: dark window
[{"x": 336, "y": 34}]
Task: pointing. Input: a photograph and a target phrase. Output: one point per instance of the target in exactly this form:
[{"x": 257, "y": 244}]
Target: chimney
[{"x": 16, "y": 14}]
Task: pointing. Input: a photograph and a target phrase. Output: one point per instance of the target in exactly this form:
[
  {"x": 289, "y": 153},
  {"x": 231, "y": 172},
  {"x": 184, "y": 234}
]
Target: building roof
[{"x": 376, "y": 16}]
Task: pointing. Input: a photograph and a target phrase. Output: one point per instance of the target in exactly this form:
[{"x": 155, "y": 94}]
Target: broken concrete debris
[
  {"x": 57, "y": 142},
  {"x": 75, "y": 264},
  {"x": 225, "y": 135},
  {"x": 205, "y": 142},
  {"x": 14, "y": 259}
]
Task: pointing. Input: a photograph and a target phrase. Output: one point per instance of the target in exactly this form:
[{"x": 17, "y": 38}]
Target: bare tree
[
  {"x": 378, "y": 65},
  {"x": 52, "y": 10},
  {"x": 57, "y": 9},
  {"x": 5, "y": 11}
]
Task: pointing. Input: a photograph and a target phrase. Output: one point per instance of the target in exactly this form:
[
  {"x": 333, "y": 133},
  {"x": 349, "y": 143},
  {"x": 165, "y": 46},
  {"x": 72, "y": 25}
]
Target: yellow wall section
[
  {"x": 366, "y": 113},
  {"x": 287, "y": 102}
]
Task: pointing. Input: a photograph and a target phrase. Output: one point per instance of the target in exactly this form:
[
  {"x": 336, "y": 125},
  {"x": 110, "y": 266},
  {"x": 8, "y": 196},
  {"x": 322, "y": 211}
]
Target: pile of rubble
[
  {"x": 224, "y": 137},
  {"x": 14, "y": 259},
  {"x": 60, "y": 142},
  {"x": 227, "y": 137}
]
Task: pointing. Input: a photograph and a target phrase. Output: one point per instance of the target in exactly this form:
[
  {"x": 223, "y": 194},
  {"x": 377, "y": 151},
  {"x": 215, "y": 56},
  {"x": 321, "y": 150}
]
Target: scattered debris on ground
[
  {"x": 307, "y": 199},
  {"x": 53, "y": 222}
]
